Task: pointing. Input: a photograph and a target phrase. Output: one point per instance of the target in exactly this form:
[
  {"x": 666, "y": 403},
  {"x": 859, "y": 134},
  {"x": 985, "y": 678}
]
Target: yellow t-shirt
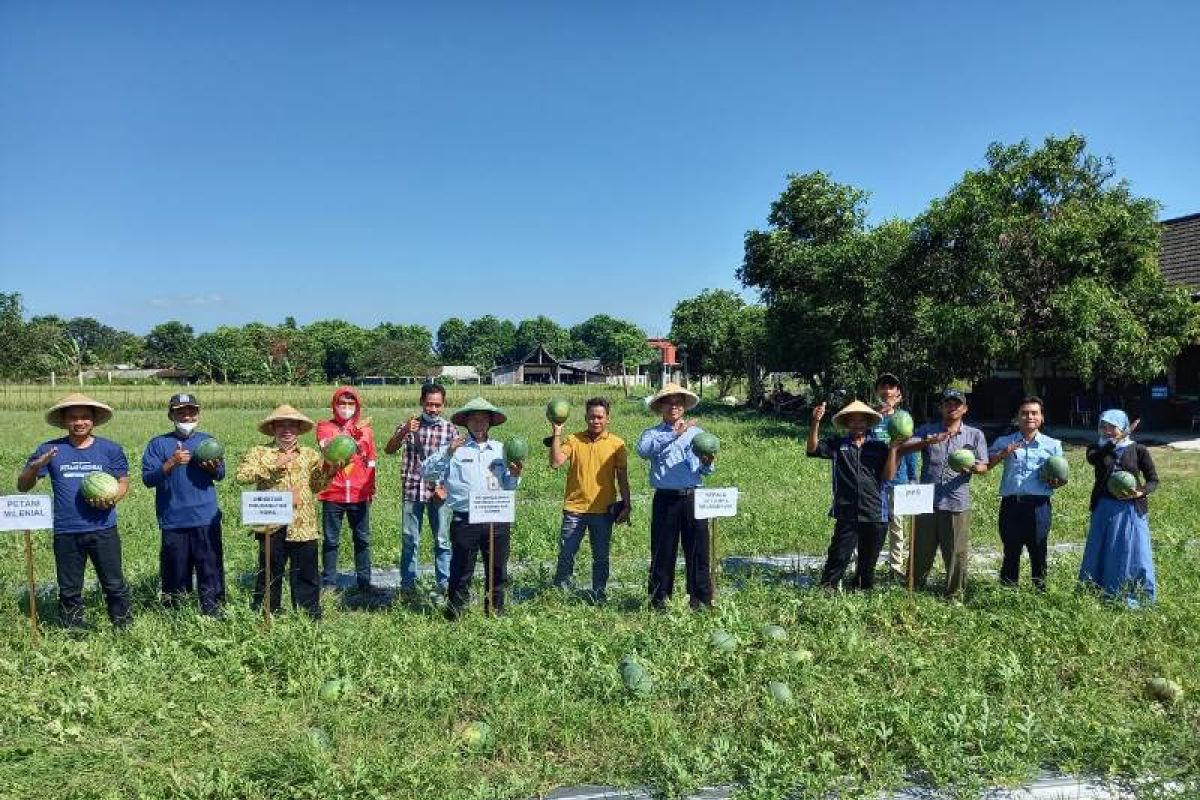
[{"x": 592, "y": 474}]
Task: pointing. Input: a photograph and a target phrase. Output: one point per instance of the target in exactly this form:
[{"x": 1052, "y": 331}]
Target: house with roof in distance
[{"x": 540, "y": 367}]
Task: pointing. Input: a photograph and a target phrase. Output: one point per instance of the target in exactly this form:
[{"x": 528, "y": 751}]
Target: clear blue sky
[{"x": 225, "y": 162}]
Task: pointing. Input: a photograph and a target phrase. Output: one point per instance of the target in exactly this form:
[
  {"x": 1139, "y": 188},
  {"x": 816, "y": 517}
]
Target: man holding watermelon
[
  {"x": 88, "y": 475},
  {"x": 676, "y": 470},
  {"x": 951, "y": 452},
  {"x": 599, "y": 466},
  {"x": 890, "y": 395},
  {"x": 349, "y": 443},
  {"x": 475, "y": 463},
  {"x": 1030, "y": 458},
  {"x": 182, "y": 467}
]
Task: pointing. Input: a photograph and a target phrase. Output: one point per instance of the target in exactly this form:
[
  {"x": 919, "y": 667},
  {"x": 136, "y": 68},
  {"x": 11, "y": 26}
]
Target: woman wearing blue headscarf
[{"x": 1117, "y": 557}]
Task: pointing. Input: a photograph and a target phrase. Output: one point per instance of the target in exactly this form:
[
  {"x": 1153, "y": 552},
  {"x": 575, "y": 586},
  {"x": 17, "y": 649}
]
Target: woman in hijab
[{"x": 1117, "y": 558}]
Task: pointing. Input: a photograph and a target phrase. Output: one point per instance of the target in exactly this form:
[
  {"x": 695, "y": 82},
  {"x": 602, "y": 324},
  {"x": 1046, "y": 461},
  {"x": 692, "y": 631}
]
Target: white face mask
[
  {"x": 346, "y": 413},
  {"x": 186, "y": 428}
]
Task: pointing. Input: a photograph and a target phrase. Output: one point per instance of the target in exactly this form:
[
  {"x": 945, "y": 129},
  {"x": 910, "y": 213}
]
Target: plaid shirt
[{"x": 429, "y": 438}]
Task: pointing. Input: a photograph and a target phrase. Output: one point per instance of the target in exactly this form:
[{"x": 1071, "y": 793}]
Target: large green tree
[
  {"x": 721, "y": 334},
  {"x": 1044, "y": 253},
  {"x": 821, "y": 270},
  {"x": 169, "y": 344},
  {"x": 490, "y": 341},
  {"x": 453, "y": 341}
]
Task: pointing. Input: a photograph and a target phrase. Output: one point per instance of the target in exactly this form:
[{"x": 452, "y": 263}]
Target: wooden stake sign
[{"x": 27, "y": 513}]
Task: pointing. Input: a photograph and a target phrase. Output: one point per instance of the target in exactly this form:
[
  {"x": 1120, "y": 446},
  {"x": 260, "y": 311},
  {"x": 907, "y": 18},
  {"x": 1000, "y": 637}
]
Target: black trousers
[
  {"x": 671, "y": 523},
  {"x": 848, "y": 536},
  {"x": 193, "y": 558},
  {"x": 72, "y": 551},
  {"x": 1024, "y": 524},
  {"x": 468, "y": 541},
  {"x": 303, "y": 575}
]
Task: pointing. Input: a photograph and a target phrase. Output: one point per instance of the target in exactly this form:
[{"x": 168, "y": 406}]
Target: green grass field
[{"x": 957, "y": 696}]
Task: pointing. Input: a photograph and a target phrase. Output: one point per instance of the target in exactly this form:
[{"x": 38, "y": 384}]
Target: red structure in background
[{"x": 667, "y": 349}]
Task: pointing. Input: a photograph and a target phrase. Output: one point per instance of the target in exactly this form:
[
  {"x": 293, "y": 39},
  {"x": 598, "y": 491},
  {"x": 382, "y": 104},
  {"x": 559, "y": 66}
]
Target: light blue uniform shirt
[
  {"x": 673, "y": 465},
  {"x": 1023, "y": 466},
  {"x": 474, "y": 467}
]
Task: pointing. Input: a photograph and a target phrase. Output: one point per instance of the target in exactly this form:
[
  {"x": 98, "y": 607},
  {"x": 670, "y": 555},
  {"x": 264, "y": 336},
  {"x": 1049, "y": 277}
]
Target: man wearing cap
[
  {"x": 675, "y": 472},
  {"x": 422, "y": 436},
  {"x": 474, "y": 463},
  {"x": 83, "y": 529},
  {"x": 351, "y": 491},
  {"x": 948, "y": 527},
  {"x": 286, "y": 466},
  {"x": 599, "y": 466},
  {"x": 185, "y": 500},
  {"x": 863, "y": 467},
  {"x": 890, "y": 395}
]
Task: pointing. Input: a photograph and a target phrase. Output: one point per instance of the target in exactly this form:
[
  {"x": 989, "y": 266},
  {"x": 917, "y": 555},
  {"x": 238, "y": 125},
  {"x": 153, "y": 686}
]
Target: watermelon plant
[
  {"x": 557, "y": 410},
  {"x": 100, "y": 486},
  {"x": 209, "y": 450},
  {"x": 705, "y": 444},
  {"x": 340, "y": 449},
  {"x": 900, "y": 425},
  {"x": 961, "y": 460}
]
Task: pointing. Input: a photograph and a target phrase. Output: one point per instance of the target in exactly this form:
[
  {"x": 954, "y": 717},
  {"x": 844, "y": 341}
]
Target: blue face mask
[{"x": 430, "y": 418}]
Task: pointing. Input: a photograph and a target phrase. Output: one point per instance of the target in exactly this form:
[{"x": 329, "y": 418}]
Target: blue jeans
[
  {"x": 410, "y": 541},
  {"x": 359, "y": 515},
  {"x": 571, "y": 536}
]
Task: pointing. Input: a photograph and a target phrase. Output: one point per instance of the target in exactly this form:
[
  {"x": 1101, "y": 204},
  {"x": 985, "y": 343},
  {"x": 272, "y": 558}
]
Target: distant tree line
[{"x": 322, "y": 351}]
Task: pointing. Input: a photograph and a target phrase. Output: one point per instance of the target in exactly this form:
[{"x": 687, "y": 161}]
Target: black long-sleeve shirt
[{"x": 1135, "y": 458}]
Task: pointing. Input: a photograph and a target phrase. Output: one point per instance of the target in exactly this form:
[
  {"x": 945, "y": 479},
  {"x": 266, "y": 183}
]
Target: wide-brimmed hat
[
  {"x": 478, "y": 404},
  {"x": 689, "y": 398},
  {"x": 284, "y": 412},
  {"x": 857, "y": 407},
  {"x": 100, "y": 412}
]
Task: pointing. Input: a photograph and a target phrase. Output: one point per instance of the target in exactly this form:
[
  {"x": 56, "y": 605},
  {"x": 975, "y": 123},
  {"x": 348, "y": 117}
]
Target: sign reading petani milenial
[
  {"x": 267, "y": 508},
  {"x": 711, "y": 503},
  {"x": 26, "y": 512},
  {"x": 491, "y": 507}
]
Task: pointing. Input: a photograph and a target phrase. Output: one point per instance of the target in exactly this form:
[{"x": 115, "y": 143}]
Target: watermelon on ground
[
  {"x": 780, "y": 692},
  {"x": 1122, "y": 483},
  {"x": 1057, "y": 468},
  {"x": 334, "y": 690},
  {"x": 340, "y": 449},
  {"x": 516, "y": 450},
  {"x": 557, "y": 410},
  {"x": 900, "y": 425},
  {"x": 1164, "y": 690},
  {"x": 100, "y": 486},
  {"x": 773, "y": 633},
  {"x": 961, "y": 460},
  {"x": 209, "y": 450},
  {"x": 635, "y": 677},
  {"x": 723, "y": 641},
  {"x": 705, "y": 444},
  {"x": 475, "y": 736}
]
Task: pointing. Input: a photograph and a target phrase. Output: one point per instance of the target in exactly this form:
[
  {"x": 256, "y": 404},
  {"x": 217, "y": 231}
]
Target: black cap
[
  {"x": 954, "y": 394},
  {"x": 888, "y": 379},
  {"x": 181, "y": 400}
]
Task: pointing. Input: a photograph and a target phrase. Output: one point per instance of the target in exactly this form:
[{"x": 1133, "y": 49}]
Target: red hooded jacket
[{"x": 355, "y": 482}]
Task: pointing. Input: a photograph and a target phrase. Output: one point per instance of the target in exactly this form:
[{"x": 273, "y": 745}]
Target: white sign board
[
  {"x": 488, "y": 507},
  {"x": 26, "y": 512},
  {"x": 711, "y": 503},
  {"x": 913, "y": 498},
  {"x": 267, "y": 508}
]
